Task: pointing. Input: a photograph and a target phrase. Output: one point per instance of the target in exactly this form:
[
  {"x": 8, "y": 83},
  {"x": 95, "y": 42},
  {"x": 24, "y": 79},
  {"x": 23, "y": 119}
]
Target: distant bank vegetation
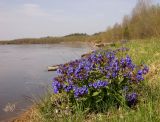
[
  {"x": 143, "y": 22},
  {"x": 48, "y": 40}
]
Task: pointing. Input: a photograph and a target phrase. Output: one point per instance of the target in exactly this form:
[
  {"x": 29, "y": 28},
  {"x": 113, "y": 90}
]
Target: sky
[{"x": 41, "y": 18}]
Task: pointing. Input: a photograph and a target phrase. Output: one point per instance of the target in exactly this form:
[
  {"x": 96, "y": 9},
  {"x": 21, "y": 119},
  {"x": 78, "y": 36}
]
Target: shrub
[{"x": 104, "y": 79}]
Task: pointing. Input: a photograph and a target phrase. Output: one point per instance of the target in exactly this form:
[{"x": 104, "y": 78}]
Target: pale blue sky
[{"x": 39, "y": 18}]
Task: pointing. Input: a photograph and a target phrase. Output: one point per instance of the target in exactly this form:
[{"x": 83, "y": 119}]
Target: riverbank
[{"x": 141, "y": 51}]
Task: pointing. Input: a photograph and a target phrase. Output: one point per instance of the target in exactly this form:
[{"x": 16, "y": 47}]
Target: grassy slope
[{"x": 148, "y": 110}]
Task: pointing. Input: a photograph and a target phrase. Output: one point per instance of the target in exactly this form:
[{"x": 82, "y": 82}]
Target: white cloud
[
  {"x": 31, "y": 20},
  {"x": 26, "y": 11},
  {"x": 33, "y": 10}
]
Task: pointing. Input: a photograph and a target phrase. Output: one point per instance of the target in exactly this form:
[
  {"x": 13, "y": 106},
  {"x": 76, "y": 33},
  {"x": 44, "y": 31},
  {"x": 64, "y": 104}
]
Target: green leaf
[{"x": 95, "y": 93}]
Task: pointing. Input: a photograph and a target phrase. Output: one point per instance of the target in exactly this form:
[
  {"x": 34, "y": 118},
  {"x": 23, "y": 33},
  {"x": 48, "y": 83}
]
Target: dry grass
[{"x": 30, "y": 115}]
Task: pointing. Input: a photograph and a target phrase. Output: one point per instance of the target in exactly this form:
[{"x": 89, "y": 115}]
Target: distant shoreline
[{"x": 48, "y": 40}]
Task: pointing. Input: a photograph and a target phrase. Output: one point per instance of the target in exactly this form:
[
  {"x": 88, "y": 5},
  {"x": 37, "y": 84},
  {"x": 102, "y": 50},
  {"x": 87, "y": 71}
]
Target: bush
[{"x": 104, "y": 79}]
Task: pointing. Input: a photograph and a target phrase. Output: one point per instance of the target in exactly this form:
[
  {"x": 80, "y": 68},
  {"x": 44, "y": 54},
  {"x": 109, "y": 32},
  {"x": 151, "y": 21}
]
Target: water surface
[{"x": 23, "y": 71}]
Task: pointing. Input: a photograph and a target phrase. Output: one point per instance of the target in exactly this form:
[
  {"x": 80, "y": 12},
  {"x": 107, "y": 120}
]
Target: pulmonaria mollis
[{"x": 103, "y": 72}]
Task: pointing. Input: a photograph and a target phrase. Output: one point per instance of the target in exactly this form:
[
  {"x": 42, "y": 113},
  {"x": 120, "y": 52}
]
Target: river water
[{"x": 24, "y": 75}]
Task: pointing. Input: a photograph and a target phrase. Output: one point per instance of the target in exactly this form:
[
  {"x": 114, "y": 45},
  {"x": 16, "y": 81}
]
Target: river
[{"x": 24, "y": 75}]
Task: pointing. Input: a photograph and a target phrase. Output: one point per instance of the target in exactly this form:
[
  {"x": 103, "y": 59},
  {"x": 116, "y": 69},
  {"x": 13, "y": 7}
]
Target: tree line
[{"x": 143, "y": 22}]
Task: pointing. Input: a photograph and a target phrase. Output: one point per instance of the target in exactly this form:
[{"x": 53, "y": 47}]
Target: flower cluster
[{"x": 102, "y": 69}]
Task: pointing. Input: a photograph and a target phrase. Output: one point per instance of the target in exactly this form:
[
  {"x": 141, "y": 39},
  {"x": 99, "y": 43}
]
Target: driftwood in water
[
  {"x": 86, "y": 54},
  {"x": 100, "y": 45},
  {"x": 53, "y": 68}
]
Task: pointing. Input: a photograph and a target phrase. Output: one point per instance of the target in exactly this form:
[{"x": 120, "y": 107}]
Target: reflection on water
[{"x": 23, "y": 72}]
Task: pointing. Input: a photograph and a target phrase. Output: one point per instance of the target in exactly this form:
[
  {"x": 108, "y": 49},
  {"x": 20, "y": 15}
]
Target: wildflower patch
[{"x": 103, "y": 78}]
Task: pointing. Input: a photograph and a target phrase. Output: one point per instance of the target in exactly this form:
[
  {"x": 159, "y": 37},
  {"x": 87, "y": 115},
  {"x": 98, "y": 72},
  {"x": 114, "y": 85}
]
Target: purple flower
[
  {"x": 70, "y": 70},
  {"x": 107, "y": 68},
  {"x": 114, "y": 74},
  {"x": 95, "y": 85},
  {"x": 60, "y": 70},
  {"x": 132, "y": 99},
  {"x": 139, "y": 78},
  {"x": 100, "y": 84},
  {"x": 122, "y": 62},
  {"x": 110, "y": 56},
  {"x": 140, "y": 72},
  {"x": 139, "y": 75},
  {"x": 145, "y": 70},
  {"x": 80, "y": 91},
  {"x": 90, "y": 85},
  {"x": 115, "y": 66},
  {"x": 108, "y": 76},
  {"x": 56, "y": 86},
  {"x": 67, "y": 88},
  {"x": 128, "y": 61}
]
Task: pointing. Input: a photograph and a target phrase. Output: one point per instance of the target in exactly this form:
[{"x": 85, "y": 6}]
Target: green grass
[{"x": 147, "y": 110}]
